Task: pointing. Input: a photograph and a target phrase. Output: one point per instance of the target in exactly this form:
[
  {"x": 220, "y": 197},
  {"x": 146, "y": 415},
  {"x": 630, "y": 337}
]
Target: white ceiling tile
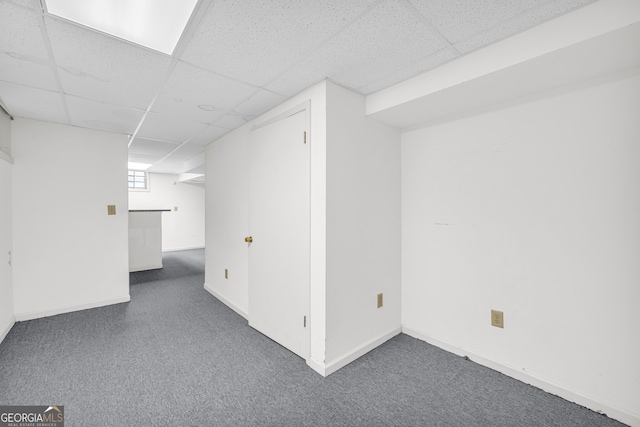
[
  {"x": 144, "y": 158},
  {"x": 20, "y": 32},
  {"x": 244, "y": 58},
  {"x": 260, "y": 102},
  {"x": 169, "y": 128},
  {"x": 24, "y": 3},
  {"x": 257, "y": 40},
  {"x": 96, "y": 66},
  {"x": 519, "y": 24},
  {"x": 187, "y": 152},
  {"x": 426, "y": 64},
  {"x": 98, "y": 115},
  {"x": 176, "y": 162},
  {"x": 232, "y": 121},
  {"x": 200, "y": 169},
  {"x": 167, "y": 166},
  {"x": 149, "y": 147},
  {"x": 189, "y": 87},
  {"x": 28, "y": 71},
  {"x": 458, "y": 19},
  {"x": 386, "y": 39},
  {"x": 208, "y": 135},
  {"x": 32, "y": 103}
]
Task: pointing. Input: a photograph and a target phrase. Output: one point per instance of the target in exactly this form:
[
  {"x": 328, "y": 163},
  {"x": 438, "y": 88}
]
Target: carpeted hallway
[{"x": 176, "y": 356}]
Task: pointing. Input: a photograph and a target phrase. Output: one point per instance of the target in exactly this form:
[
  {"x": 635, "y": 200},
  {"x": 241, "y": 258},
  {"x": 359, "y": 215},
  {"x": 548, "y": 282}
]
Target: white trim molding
[
  {"x": 21, "y": 317},
  {"x": 186, "y": 248},
  {"x": 342, "y": 361},
  {"x": 625, "y": 416},
  {"x": 5, "y": 332},
  {"x": 226, "y": 302}
]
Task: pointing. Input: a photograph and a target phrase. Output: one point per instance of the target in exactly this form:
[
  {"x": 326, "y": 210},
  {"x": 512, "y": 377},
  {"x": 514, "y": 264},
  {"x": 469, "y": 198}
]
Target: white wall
[
  {"x": 227, "y": 220},
  {"x": 227, "y": 215},
  {"x": 181, "y": 229},
  {"x": 355, "y": 224},
  {"x": 68, "y": 254},
  {"x": 363, "y": 228},
  {"x": 533, "y": 210},
  {"x": 7, "y": 318}
]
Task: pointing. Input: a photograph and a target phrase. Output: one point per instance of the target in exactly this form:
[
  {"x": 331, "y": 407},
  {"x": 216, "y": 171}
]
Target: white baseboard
[
  {"x": 21, "y": 317},
  {"x": 186, "y": 248},
  {"x": 352, "y": 355},
  {"x": 5, "y": 331},
  {"x": 226, "y": 302},
  {"x": 611, "y": 411},
  {"x": 317, "y": 366}
]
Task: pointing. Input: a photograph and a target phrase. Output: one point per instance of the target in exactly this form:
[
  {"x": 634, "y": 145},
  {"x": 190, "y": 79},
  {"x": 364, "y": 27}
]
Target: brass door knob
[{"x": 248, "y": 239}]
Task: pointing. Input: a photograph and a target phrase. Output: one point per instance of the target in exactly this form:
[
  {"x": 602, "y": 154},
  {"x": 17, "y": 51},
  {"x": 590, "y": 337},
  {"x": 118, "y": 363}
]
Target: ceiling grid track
[
  {"x": 239, "y": 60},
  {"x": 39, "y": 11},
  {"x": 445, "y": 42},
  {"x": 201, "y": 8}
]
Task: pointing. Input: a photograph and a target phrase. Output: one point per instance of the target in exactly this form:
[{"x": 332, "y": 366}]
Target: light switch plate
[{"x": 111, "y": 209}]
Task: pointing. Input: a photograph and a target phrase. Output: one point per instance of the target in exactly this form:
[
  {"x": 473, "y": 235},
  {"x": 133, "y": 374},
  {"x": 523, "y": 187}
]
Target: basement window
[{"x": 138, "y": 180}]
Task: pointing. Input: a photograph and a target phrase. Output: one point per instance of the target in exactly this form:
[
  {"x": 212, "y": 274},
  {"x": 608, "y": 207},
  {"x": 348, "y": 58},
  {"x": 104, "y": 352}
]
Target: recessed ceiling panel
[
  {"x": 100, "y": 67},
  {"x": 28, "y": 71},
  {"x": 208, "y": 135},
  {"x": 32, "y": 103},
  {"x": 200, "y": 95},
  {"x": 518, "y": 24},
  {"x": 20, "y": 32},
  {"x": 97, "y": 115},
  {"x": 388, "y": 38},
  {"x": 254, "y": 41},
  {"x": 169, "y": 128}
]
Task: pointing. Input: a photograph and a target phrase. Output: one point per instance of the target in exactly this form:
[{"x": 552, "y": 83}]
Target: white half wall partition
[{"x": 183, "y": 222}]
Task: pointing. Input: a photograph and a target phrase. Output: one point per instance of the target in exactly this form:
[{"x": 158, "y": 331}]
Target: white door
[{"x": 279, "y": 227}]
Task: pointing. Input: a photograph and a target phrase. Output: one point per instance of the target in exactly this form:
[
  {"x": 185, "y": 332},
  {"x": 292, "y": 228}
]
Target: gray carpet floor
[{"x": 176, "y": 356}]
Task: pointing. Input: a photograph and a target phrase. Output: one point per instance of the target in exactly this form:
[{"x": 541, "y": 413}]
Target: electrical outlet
[
  {"x": 175, "y": 208},
  {"x": 111, "y": 209},
  {"x": 226, "y": 273},
  {"x": 497, "y": 319},
  {"x": 379, "y": 300}
]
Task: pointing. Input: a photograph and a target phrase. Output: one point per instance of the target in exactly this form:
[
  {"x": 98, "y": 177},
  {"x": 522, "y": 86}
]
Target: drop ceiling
[{"x": 235, "y": 60}]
